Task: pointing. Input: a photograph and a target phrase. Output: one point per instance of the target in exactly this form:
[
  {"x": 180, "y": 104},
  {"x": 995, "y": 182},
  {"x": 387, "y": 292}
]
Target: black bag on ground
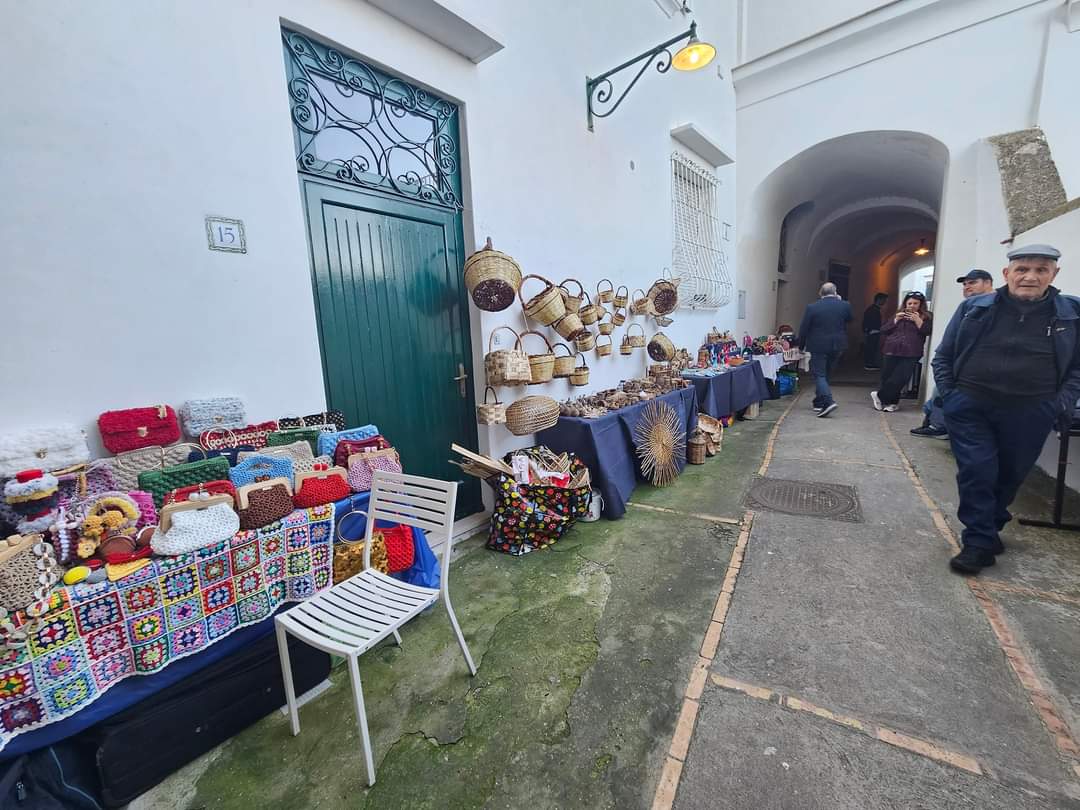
[{"x": 60, "y": 777}]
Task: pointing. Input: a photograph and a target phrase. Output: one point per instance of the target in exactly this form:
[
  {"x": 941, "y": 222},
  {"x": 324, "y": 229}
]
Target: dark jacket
[
  {"x": 905, "y": 339},
  {"x": 871, "y": 319},
  {"x": 824, "y": 326},
  {"x": 970, "y": 323}
]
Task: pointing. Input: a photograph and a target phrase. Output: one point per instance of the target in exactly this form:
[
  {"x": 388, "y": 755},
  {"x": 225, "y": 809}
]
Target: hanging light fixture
[
  {"x": 694, "y": 55},
  {"x": 922, "y": 249}
]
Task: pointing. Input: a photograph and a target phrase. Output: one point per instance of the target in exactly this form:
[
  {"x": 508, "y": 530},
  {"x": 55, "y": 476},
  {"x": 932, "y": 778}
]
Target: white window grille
[{"x": 698, "y": 257}]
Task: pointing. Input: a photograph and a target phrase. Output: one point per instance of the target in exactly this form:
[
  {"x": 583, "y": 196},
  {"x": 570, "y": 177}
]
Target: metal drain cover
[{"x": 809, "y": 498}]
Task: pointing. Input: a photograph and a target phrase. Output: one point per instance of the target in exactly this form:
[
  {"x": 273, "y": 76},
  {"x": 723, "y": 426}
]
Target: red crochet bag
[
  {"x": 209, "y": 487},
  {"x": 400, "y": 552},
  {"x": 136, "y": 428},
  {"x": 321, "y": 486},
  {"x": 347, "y": 447}
]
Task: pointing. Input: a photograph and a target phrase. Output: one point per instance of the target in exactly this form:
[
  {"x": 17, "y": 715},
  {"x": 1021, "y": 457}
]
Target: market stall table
[
  {"x": 606, "y": 445},
  {"x": 727, "y": 393}
]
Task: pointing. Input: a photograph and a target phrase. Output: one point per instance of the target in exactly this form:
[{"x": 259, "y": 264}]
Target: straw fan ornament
[{"x": 661, "y": 442}]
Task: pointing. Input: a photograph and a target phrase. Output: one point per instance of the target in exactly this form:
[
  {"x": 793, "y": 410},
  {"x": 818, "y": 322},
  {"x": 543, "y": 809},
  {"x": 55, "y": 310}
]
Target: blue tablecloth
[
  {"x": 731, "y": 391},
  {"x": 748, "y": 387},
  {"x": 606, "y": 445}
]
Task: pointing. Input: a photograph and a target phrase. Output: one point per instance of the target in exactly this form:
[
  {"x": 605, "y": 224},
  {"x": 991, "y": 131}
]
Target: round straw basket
[
  {"x": 569, "y": 326},
  {"x": 588, "y": 312},
  {"x": 564, "y": 366},
  {"x": 605, "y": 296},
  {"x": 493, "y": 278},
  {"x": 542, "y": 365},
  {"x": 663, "y": 297},
  {"x": 618, "y": 317},
  {"x": 636, "y": 341},
  {"x": 546, "y": 306},
  {"x": 493, "y": 413},
  {"x": 572, "y": 303},
  {"x": 622, "y": 297},
  {"x": 604, "y": 349},
  {"x": 581, "y": 373},
  {"x": 661, "y": 348},
  {"x": 585, "y": 342},
  {"x": 507, "y": 366},
  {"x": 530, "y": 414},
  {"x": 606, "y": 328},
  {"x": 640, "y": 304}
]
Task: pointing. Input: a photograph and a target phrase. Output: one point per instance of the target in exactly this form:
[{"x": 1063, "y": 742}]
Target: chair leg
[
  {"x": 361, "y": 717},
  {"x": 286, "y": 676},
  {"x": 397, "y": 637},
  {"x": 457, "y": 632}
]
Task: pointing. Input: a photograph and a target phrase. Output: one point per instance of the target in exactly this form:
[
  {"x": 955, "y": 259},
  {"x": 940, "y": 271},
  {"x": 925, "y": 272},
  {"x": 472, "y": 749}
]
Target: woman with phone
[{"x": 904, "y": 336}]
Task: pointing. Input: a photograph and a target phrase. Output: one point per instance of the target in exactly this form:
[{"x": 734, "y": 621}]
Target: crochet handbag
[
  {"x": 292, "y": 435},
  {"x": 299, "y": 452},
  {"x": 362, "y": 467},
  {"x": 349, "y": 550},
  {"x": 201, "y": 415},
  {"x": 329, "y": 441},
  {"x": 320, "y": 487},
  {"x": 260, "y": 468},
  {"x": 191, "y": 525},
  {"x": 336, "y": 419},
  {"x": 125, "y": 468},
  {"x": 251, "y": 435},
  {"x": 85, "y": 481},
  {"x": 43, "y": 448},
  {"x": 161, "y": 482},
  {"x": 208, "y": 487},
  {"x": 28, "y": 572},
  {"x": 147, "y": 510},
  {"x": 264, "y": 503},
  {"x": 346, "y": 447},
  {"x": 135, "y": 428}
]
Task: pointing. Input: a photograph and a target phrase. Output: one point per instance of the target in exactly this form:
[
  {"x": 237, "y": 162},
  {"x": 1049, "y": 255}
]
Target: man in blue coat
[
  {"x": 1008, "y": 371},
  {"x": 823, "y": 333}
]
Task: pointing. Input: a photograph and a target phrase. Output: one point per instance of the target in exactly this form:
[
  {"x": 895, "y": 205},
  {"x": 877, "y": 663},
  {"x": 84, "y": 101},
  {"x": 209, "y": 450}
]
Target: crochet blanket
[{"x": 95, "y": 636}]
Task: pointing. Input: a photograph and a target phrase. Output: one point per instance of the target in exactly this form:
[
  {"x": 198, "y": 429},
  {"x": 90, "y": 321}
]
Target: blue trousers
[
  {"x": 934, "y": 415},
  {"x": 995, "y": 449},
  {"x": 821, "y": 366}
]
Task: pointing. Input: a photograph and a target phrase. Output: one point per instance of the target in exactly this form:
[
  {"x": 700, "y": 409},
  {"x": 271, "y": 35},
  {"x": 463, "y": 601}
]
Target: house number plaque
[{"x": 225, "y": 234}]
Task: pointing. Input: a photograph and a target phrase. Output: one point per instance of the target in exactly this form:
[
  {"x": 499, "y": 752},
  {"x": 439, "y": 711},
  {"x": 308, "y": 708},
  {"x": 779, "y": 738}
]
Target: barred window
[{"x": 698, "y": 255}]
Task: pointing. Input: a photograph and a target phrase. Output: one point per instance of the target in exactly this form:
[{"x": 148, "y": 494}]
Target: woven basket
[
  {"x": 696, "y": 446},
  {"x": 581, "y": 373},
  {"x": 546, "y": 306},
  {"x": 625, "y": 347},
  {"x": 563, "y": 365},
  {"x": 493, "y": 278},
  {"x": 640, "y": 304},
  {"x": 507, "y": 366},
  {"x": 601, "y": 310},
  {"x": 493, "y": 413},
  {"x": 622, "y": 296},
  {"x": 606, "y": 328},
  {"x": 605, "y": 296},
  {"x": 636, "y": 341},
  {"x": 618, "y": 317},
  {"x": 530, "y": 414},
  {"x": 572, "y": 303},
  {"x": 663, "y": 297},
  {"x": 661, "y": 348},
  {"x": 541, "y": 365},
  {"x": 585, "y": 342},
  {"x": 569, "y": 326},
  {"x": 588, "y": 312},
  {"x": 605, "y": 349}
]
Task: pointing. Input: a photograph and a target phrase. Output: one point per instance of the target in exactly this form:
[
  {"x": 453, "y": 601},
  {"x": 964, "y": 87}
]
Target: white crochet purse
[
  {"x": 42, "y": 448},
  {"x": 190, "y": 525}
]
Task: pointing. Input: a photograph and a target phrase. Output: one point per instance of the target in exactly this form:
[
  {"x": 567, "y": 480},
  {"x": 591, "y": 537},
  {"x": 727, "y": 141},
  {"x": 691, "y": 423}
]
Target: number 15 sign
[{"x": 225, "y": 234}]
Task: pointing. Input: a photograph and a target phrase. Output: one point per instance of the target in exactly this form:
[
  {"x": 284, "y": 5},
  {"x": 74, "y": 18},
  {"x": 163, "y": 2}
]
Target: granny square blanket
[{"x": 94, "y": 636}]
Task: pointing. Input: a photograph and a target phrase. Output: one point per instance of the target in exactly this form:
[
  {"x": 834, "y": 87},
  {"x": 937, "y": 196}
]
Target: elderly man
[
  {"x": 976, "y": 282},
  {"x": 823, "y": 333},
  {"x": 1008, "y": 370}
]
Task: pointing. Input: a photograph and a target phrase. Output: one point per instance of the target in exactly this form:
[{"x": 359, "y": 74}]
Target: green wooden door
[{"x": 393, "y": 324}]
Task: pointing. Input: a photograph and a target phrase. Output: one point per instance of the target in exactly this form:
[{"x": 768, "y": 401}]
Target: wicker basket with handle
[
  {"x": 606, "y": 328},
  {"x": 581, "y": 373},
  {"x": 695, "y": 448},
  {"x": 618, "y": 317},
  {"x": 542, "y": 365},
  {"x": 569, "y": 326},
  {"x": 563, "y": 365},
  {"x": 546, "y": 306},
  {"x": 639, "y": 304},
  {"x": 572, "y": 303},
  {"x": 585, "y": 342},
  {"x": 626, "y": 347},
  {"x": 622, "y": 296},
  {"x": 636, "y": 341},
  {"x": 604, "y": 349},
  {"x": 530, "y": 414},
  {"x": 588, "y": 313},
  {"x": 507, "y": 366},
  {"x": 663, "y": 296},
  {"x": 661, "y": 348},
  {"x": 605, "y": 296},
  {"x": 493, "y": 278},
  {"x": 493, "y": 413}
]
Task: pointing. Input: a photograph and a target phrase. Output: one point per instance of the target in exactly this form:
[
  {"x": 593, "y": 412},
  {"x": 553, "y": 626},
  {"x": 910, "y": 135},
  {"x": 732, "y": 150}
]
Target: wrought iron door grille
[
  {"x": 698, "y": 255},
  {"x": 355, "y": 124}
]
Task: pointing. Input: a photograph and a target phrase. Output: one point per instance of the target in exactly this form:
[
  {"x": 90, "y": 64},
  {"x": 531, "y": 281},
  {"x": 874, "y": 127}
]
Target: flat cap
[
  {"x": 975, "y": 275},
  {"x": 1040, "y": 251}
]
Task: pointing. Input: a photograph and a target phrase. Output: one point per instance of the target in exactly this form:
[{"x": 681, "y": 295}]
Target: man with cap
[
  {"x": 976, "y": 282},
  {"x": 1008, "y": 371}
]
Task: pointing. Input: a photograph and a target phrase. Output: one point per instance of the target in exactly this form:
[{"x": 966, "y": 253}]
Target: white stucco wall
[
  {"x": 140, "y": 119},
  {"x": 772, "y": 24}
]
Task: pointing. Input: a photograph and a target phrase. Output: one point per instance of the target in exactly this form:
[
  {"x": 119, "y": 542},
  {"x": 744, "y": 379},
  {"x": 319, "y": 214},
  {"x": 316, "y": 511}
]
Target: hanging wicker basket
[
  {"x": 507, "y": 366},
  {"x": 626, "y": 347},
  {"x": 569, "y": 326},
  {"x": 581, "y": 373},
  {"x": 605, "y": 349},
  {"x": 618, "y": 317},
  {"x": 588, "y": 313},
  {"x": 532, "y": 414},
  {"x": 640, "y": 303},
  {"x": 661, "y": 348},
  {"x": 585, "y": 342},
  {"x": 605, "y": 296},
  {"x": 606, "y": 328},
  {"x": 564, "y": 366},
  {"x": 572, "y": 303},
  {"x": 636, "y": 341},
  {"x": 493, "y": 413},
  {"x": 622, "y": 297},
  {"x": 492, "y": 278},
  {"x": 663, "y": 297},
  {"x": 546, "y": 306},
  {"x": 541, "y": 365}
]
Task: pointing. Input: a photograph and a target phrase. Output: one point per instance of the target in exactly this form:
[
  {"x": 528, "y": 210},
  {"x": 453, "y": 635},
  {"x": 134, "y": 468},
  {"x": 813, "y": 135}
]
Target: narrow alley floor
[{"x": 698, "y": 654}]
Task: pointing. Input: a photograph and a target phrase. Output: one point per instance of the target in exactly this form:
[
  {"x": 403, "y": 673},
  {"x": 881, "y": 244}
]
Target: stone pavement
[{"x": 695, "y": 654}]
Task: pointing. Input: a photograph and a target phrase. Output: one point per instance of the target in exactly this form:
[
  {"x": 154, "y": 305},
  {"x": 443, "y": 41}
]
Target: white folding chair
[{"x": 355, "y": 615}]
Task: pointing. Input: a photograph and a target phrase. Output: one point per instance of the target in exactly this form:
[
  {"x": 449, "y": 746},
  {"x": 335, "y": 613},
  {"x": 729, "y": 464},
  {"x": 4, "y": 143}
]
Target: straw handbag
[
  {"x": 493, "y": 278},
  {"x": 546, "y": 306},
  {"x": 581, "y": 373},
  {"x": 640, "y": 303},
  {"x": 605, "y": 296},
  {"x": 622, "y": 297},
  {"x": 585, "y": 342},
  {"x": 569, "y": 326},
  {"x": 572, "y": 303},
  {"x": 606, "y": 328},
  {"x": 636, "y": 341},
  {"x": 618, "y": 317},
  {"x": 564, "y": 366},
  {"x": 542, "y": 365},
  {"x": 493, "y": 413},
  {"x": 605, "y": 349},
  {"x": 660, "y": 347},
  {"x": 588, "y": 313},
  {"x": 507, "y": 366},
  {"x": 532, "y": 414}
]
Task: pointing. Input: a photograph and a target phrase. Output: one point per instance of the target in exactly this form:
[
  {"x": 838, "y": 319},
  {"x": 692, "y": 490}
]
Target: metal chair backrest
[{"x": 426, "y": 503}]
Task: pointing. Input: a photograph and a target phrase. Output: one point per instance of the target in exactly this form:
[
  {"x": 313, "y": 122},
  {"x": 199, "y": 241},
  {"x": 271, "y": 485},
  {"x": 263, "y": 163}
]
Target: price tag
[{"x": 225, "y": 234}]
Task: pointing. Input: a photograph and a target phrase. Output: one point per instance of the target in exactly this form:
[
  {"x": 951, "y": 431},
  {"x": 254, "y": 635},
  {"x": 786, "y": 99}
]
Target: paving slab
[{"x": 750, "y": 754}]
